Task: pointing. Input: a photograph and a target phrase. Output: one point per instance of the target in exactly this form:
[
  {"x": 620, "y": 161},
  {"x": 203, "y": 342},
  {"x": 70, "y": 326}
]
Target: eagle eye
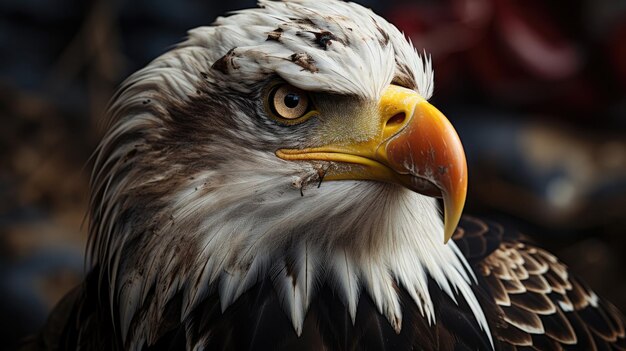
[{"x": 288, "y": 104}]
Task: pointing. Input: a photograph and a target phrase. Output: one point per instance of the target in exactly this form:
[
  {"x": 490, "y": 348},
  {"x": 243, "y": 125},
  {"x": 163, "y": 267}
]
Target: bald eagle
[{"x": 271, "y": 184}]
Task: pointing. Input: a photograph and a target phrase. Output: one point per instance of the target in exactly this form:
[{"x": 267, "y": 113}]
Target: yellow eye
[{"x": 288, "y": 103}]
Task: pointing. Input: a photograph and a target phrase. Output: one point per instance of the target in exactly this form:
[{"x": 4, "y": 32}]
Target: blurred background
[{"x": 536, "y": 89}]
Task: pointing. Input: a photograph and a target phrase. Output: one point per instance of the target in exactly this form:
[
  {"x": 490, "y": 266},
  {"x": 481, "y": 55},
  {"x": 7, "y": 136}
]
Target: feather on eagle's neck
[{"x": 360, "y": 237}]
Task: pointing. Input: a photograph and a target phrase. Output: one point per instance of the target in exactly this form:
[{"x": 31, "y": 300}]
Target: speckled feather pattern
[{"x": 538, "y": 303}]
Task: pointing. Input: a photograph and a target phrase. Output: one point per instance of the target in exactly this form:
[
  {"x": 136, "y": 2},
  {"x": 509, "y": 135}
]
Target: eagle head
[{"x": 292, "y": 142}]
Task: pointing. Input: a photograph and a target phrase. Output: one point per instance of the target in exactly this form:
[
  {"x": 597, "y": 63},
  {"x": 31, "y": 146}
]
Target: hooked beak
[{"x": 416, "y": 147}]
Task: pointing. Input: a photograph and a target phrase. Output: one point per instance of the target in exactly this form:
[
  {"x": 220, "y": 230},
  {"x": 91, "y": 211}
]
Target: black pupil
[{"x": 292, "y": 100}]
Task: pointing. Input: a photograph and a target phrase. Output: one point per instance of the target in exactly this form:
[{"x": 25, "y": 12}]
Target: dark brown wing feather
[
  {"x": 540, "y": 304},
  {"x": 80, "y": 321}
]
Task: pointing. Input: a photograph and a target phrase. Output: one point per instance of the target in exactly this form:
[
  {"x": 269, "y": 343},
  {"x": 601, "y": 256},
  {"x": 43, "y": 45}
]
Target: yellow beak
[{"x": 416, "y": 147}]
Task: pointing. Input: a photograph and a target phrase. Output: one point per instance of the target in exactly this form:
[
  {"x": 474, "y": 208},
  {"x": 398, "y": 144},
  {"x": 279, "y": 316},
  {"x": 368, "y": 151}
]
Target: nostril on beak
[{"x": 396, "y": 120}]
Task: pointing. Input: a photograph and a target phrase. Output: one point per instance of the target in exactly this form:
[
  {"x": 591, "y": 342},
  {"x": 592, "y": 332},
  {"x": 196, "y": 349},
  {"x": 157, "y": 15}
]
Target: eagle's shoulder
[
  {"x": 537, "y": 302},
  {"x": 477, "y": 238},
  {"x": 79, "y": 321}
]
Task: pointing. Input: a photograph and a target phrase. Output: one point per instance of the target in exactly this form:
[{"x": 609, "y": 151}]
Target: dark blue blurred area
[{"x": 537, "y": 91}]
